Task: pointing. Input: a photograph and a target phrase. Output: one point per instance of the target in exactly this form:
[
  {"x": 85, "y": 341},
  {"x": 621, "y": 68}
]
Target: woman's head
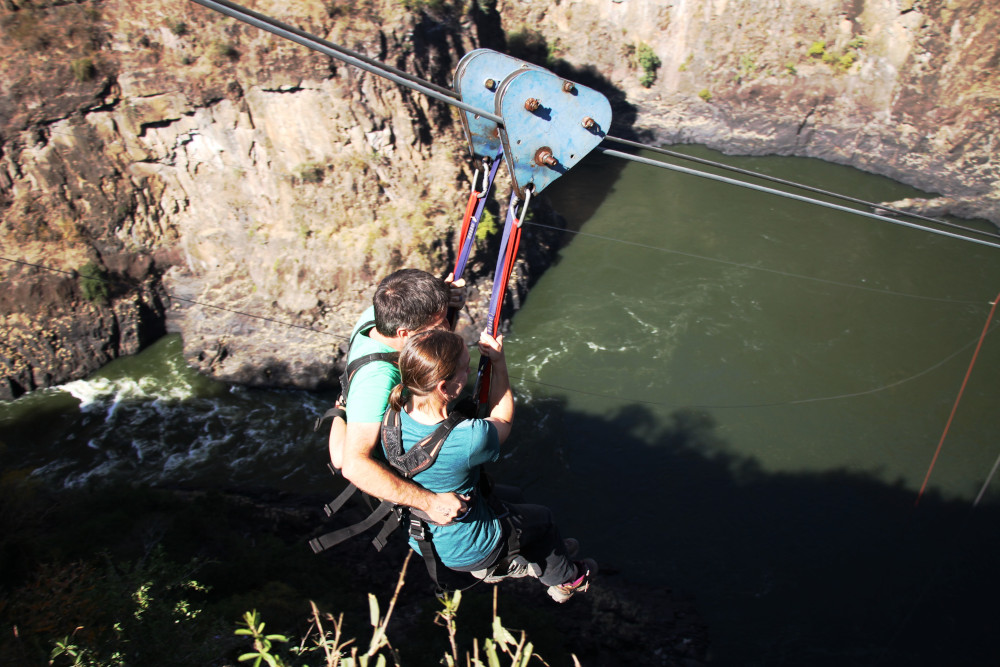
[{"x": 427, "y": 359}]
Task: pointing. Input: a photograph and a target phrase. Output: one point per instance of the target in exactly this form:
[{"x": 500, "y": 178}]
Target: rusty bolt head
[
  {"x": 531, "y": 104},
  {"x": 568, "y": 86},
  {"x": 589, "y": 123},
  {"x": 544, "y": 156},
  {"x": 490, "y": 84}
]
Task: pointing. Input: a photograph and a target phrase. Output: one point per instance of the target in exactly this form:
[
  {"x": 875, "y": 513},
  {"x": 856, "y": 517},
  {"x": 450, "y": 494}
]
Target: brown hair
[
  {"x": 408, "y": 299},
  {"x": 427, "y": 358}
]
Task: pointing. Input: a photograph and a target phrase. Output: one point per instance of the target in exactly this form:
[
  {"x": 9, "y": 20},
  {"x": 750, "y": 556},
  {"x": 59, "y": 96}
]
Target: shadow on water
[{"x": 826, "y": 568}]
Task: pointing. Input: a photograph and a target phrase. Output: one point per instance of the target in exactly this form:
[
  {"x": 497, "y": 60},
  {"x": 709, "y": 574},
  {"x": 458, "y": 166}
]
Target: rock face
[
  {"x": 904, "y": 88},
  {"x": 208, "y": 168}
]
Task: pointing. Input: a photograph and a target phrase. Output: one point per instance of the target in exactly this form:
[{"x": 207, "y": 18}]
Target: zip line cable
[
  {"x": 370, "y": 65},
  {"x": 789, "y": 195},
  {"x": 310, "y": 41},
  {"x": 236, "y": 11},
  {"x": 801, "y": 186}
]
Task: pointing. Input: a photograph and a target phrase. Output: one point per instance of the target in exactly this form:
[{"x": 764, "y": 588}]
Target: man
[{"x": 405, "y": 302}]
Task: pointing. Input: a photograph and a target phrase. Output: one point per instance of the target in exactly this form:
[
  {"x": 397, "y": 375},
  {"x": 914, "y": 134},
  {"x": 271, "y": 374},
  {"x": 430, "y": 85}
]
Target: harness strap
[
  {"x": 324, "y": 542},
  {"x": 422, "y": 455},
  {"x": 474, "y": 213},
  {"x": 501, "y": 276},
  {"x": 333, "y": 506}
]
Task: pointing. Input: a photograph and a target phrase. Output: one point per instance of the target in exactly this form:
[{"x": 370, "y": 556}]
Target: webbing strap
[
  {"x": 333, "y": 506},
  {"x": 324, "y": 542},
  {"x": 505, "y": 267},
  {"x": 474, "y": 214}
]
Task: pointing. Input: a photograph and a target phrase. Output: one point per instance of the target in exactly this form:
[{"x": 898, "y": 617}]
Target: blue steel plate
[
  {"x": 473, "y": 71},
  {"x": 555, "y": 127}
]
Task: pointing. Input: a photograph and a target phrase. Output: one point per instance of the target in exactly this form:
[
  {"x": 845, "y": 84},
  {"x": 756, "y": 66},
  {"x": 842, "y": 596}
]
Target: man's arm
[{"x": 374, "y": 478}]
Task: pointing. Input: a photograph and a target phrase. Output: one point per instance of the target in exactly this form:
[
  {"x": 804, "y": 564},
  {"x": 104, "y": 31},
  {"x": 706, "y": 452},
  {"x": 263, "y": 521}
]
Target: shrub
[
  {"x": 817, "y": 49},
  {"x": 649, "y": 62},
  {"x": 94, "y": 282},
  {"x": 847, "y": 60},
  {"x": 487, "y": 226},
  {"x": 705, "y": 94},
  {"x": 179, "y": 28},
  {"x": 310, "y": 172},
  {"x": 83, "y": 69}
]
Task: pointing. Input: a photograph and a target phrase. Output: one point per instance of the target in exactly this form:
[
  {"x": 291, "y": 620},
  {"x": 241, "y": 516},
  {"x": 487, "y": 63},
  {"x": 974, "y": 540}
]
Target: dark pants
[{"x": 541, "y": 543}]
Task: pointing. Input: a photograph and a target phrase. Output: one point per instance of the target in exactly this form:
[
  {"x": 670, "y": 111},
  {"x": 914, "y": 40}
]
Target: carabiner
[
  {"x": 524, "y": 209},
  {"x": 486, "y": 170}
]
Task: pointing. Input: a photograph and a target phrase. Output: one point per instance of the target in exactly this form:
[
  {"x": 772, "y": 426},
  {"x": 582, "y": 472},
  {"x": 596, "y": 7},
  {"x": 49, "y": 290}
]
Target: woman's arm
[{"x": 501, "y": 405}]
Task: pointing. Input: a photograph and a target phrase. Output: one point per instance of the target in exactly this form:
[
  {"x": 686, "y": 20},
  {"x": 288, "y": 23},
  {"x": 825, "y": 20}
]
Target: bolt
[
  {"x": 490, "y": 84},
  {"x": 544, "y": 156},
  {"x": 531, "y": 104},
  {"x": 589, "y": 123},
  {"x": 568, "y": 86}
]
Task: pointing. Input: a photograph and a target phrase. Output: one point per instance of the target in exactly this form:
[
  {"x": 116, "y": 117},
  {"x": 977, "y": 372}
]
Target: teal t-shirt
[
  {"x": 470, "y": 444},
  {"x": 371, "y": 385}
]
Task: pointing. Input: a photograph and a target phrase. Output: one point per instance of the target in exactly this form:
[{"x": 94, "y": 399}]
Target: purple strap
[{"x": 477, "y": 215}]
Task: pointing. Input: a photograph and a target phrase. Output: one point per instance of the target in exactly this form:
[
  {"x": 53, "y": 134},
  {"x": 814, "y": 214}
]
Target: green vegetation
[
  {"x": 840, "y": 61},
  {"x": 94, "y": 282},
  {"x": 687, "y": 63},
  {"x": 326, "y": 637},
  {"x": 487, "y": 226},
  {"x": 648, "y": 62},
  {"x": 705, "y": 94},
  {"x": 424, "y": 5},
  {"x": 178, "y": 27},
  {"x": 222, "y": 50},
  {"x": 310, "y": 172},
  {"x": 83, "y": 69}
]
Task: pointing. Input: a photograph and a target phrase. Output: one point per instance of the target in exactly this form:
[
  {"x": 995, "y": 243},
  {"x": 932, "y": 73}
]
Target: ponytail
[{"x": 397, "y": 399}]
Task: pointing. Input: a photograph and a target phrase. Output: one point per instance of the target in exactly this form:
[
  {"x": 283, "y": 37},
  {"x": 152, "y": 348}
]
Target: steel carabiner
[{"x": 524, "y": 209}]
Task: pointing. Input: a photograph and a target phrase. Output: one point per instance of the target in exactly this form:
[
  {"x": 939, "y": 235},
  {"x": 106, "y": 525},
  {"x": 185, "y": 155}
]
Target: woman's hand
[{"x": 491, "y": 347}]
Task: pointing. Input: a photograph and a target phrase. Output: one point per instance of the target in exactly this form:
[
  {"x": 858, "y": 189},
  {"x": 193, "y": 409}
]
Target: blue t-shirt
[{"x": 470, "y": 444}]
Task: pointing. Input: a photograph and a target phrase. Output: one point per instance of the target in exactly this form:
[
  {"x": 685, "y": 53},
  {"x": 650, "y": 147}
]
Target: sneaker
[
  {"x": 586, "y": 569},
  {"x": 571, "y": 546}
]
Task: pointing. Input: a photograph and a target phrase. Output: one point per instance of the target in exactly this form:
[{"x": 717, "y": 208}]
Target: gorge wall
[{"x": 197, "y": 162}]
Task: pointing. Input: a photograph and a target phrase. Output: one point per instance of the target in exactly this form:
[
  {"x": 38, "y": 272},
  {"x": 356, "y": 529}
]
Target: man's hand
[
  {"x": 446, "y": 507},
  {"x": 456, "y": 292}
]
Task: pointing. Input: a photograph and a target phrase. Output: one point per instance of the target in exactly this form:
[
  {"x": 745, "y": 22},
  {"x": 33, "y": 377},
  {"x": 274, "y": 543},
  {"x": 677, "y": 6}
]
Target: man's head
[{"x": 410, "y": 300}]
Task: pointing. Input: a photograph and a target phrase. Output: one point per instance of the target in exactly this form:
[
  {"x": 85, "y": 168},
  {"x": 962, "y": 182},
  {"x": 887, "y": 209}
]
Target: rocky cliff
[
  {"x": 909, "y": 89},
  {"x": 204, "y": 168}
]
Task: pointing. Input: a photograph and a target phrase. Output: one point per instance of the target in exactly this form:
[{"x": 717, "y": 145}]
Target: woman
[{"x": 433, "y": 369}]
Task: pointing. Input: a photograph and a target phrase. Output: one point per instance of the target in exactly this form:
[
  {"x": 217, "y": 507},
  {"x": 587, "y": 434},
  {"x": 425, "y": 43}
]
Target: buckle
[{"x": 417, "y": 531}]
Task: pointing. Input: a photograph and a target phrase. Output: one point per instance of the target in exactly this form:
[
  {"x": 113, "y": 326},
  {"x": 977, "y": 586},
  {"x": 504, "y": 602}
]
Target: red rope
[{"x": 958, "y": 398}]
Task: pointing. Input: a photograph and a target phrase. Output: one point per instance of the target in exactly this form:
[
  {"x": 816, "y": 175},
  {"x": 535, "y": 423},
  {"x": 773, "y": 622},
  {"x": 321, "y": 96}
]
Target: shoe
[
  {"x": 571, "y": 546},
  {"x": 585, "y": 569}
]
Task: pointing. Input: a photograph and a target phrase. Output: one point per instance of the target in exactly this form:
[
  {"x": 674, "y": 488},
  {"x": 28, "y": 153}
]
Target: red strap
[{"x": 469, "y": 210}]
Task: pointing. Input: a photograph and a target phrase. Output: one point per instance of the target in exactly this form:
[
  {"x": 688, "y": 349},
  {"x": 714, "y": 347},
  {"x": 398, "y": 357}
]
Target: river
[{"x": 721, "y": 392}]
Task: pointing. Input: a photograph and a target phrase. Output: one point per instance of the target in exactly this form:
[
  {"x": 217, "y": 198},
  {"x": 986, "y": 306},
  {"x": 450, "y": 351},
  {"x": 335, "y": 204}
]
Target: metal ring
[
  {"x": 524, "y": 209},
  {"x": 486, "y": 169}
]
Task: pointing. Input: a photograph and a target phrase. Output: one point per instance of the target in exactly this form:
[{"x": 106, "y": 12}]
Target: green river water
[{"x": 720, "y": 392}]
